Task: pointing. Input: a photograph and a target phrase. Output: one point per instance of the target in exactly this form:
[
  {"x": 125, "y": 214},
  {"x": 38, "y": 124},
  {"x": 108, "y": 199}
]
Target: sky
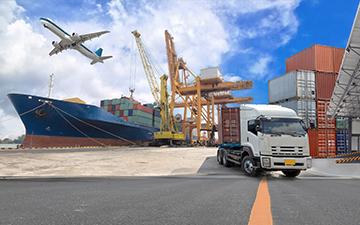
[{"x": 247, "y": 39}]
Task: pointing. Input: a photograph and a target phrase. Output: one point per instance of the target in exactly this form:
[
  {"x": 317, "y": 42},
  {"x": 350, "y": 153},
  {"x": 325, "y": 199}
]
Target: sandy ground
[{"x": 121, "y": 161}]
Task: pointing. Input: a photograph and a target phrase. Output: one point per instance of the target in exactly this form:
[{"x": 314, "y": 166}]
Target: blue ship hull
[{"x": 56, "y": 123}]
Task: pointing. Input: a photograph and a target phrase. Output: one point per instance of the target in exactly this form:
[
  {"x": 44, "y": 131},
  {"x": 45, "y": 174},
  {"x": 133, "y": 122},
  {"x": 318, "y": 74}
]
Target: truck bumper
[{"x": 279, "y": 163}]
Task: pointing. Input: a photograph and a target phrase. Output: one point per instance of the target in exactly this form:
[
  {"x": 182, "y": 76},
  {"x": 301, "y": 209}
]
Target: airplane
[{"x": 74, "y": 41}]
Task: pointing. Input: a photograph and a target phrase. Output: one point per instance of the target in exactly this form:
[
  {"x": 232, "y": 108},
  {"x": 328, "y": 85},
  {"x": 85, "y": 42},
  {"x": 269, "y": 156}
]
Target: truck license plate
[{"x": 289, "y": 162}]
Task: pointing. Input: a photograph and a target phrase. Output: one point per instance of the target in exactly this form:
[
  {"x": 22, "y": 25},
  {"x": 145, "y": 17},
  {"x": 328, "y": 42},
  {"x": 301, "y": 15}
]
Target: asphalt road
[{"x": 212, "y": 199}]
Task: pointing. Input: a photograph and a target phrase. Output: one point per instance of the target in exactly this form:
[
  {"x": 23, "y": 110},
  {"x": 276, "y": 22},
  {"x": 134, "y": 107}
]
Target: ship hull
[{"x": 55, "y": 123}]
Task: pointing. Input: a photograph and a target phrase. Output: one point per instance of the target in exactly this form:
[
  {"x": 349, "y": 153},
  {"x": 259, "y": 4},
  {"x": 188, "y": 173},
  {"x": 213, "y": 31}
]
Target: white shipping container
[
  {"x": 210, "y": 73},
  {"x": 355, "y": 126},
  {"x": 305, "y": 108},
  {"x": 296, "y": 84}
]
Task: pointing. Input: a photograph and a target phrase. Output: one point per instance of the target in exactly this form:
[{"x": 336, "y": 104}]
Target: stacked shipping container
[
  {"x": 295, "y": 90},
  {"x": 132, "y": 111},
  {"x": 342, "y": 135},
  {"x": 324, "y": 62}
]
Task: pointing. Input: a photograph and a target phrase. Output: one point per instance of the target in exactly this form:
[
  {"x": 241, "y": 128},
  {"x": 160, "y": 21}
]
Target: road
[{"x": 224, "y": 198}]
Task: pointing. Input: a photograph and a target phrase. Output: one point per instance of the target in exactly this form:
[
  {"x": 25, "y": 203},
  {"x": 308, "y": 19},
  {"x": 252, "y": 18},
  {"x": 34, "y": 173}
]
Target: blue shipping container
[{"x": 342, "y": 142}]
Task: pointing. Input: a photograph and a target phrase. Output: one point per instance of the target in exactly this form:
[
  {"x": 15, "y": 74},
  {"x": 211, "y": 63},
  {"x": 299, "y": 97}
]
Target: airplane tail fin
[
  {"x": 100, "y": 59},
  {"x": 99, "y": 52}
]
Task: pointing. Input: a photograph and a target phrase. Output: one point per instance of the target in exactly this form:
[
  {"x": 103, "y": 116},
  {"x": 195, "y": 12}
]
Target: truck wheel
[
  {"x": 248, "y": 165},
  {"x": 226, "y": 163},
  {"x": 219, "y": 157},
  {"x": 291, "y": 173}
]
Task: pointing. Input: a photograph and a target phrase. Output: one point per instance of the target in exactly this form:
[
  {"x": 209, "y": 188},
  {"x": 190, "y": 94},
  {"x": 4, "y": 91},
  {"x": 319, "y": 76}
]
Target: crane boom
[{"x": 149, "y": 71}]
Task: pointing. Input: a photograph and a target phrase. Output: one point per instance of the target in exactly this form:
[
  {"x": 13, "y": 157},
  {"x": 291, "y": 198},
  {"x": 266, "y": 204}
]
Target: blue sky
[
  {"x": 319, "y": 21},
  {"x": 248, "y": 39}
]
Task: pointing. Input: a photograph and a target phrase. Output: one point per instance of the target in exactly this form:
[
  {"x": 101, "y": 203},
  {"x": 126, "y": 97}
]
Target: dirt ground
[{"x": 115, "y": 161}]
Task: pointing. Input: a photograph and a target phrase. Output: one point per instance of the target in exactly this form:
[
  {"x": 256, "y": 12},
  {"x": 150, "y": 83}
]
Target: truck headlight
[
  {"x": 266, "y": 162},
  {"x": 308, "y": 163}
]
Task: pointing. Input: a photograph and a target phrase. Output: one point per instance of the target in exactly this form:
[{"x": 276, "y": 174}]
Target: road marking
[{"x": 261, "y": 210}]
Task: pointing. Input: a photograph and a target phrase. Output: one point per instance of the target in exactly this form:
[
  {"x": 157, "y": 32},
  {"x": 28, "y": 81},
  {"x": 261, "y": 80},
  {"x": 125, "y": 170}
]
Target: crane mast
[{"x": 149, "y": 72}]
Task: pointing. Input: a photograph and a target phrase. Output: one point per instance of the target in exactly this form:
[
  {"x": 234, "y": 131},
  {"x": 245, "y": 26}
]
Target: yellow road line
[{"x": 261, "y": 210}]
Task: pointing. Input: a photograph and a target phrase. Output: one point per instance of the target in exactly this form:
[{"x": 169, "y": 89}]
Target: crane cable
[{"x": 91, "y": 125}]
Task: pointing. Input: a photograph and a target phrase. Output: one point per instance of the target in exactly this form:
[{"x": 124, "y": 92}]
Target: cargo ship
[{"x": 72, "y": 123}]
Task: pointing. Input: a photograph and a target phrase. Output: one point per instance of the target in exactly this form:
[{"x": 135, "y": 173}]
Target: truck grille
[{"x": 287, "y": 150}]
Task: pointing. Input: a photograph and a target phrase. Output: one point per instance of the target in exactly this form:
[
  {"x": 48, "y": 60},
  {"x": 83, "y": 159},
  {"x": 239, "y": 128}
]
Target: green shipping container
[
  {"x": 117, "y": 113},
  {"x": 342, "y": 123}
]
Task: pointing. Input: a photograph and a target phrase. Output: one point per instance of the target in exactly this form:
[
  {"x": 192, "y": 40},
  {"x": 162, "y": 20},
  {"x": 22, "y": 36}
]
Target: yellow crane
[{"x": 168, "y": 132}]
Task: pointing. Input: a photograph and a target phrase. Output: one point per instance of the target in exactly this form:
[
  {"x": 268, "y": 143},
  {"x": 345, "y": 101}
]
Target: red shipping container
[
  {"x": 121, "y": 112},
  {"x": 313, "y": 142},
  {"x": 316, "y": 58},
  {"x": 325, "y": 83},
  {"x": 117, "y": 107},
  {"x": 143, "y": 108},
  {"x": 109, "y": 108},
  {"x": 230, "y": 125},
  {"x": 125, "y": 118},
  {"x": 323, "y": 121}
]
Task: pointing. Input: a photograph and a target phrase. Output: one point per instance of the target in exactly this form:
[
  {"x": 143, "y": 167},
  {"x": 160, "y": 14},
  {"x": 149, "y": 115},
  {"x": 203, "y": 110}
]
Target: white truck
[{"x": 263, "y": 137}]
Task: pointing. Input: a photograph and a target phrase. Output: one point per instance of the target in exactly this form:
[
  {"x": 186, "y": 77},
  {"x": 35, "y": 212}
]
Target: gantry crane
[
  {"x": 168, "y": 132},
  {"x": 195, "y": 94}
]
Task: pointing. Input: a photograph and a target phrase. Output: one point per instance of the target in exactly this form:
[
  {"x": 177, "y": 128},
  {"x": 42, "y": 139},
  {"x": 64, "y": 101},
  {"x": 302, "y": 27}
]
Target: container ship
[{"x": 72, "y": 123}]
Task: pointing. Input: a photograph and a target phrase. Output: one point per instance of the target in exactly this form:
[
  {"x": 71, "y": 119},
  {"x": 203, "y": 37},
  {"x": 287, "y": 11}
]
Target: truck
[{"x": 263, "y": 138}]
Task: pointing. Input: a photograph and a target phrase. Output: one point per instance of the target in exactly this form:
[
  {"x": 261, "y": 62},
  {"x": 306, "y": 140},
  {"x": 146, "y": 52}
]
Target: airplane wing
[{"x": 86, "y": 37}]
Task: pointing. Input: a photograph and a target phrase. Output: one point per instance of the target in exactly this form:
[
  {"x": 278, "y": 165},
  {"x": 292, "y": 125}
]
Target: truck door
[{"x": 252, "y": 138}]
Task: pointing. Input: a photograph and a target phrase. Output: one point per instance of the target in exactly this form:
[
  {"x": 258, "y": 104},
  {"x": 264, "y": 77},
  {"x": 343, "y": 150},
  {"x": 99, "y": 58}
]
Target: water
[{"x": 8, "y": 145}]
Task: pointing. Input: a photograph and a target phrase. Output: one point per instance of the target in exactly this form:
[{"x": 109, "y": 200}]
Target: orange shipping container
[
  {"x": 317, "y": 58},
  {"x": 325, "y": 83},
  {"x": 323, "y": 121},
  {"x": 326, "y": 142}
]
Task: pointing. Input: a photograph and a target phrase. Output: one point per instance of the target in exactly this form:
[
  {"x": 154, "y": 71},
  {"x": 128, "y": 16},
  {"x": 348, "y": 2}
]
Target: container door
[{"x": 230, "y": 119}]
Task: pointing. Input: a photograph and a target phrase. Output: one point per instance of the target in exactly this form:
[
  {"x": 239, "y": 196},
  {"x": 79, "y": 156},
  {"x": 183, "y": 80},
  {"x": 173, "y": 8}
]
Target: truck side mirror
[{"x": 257, "y": 127}]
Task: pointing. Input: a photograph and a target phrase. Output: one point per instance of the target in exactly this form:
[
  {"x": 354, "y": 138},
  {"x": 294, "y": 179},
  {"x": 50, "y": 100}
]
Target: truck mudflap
[{"x": 279, "y": 163}]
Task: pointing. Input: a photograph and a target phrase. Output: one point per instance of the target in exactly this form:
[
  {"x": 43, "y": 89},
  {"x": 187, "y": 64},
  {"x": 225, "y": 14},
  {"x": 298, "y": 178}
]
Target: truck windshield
[{"x": 283, "y": 126}]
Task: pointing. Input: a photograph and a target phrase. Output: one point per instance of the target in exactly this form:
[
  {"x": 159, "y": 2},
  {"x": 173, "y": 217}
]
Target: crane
[
  {"x": 149, "y": 71},
  {"x": 168, "y": 132}
]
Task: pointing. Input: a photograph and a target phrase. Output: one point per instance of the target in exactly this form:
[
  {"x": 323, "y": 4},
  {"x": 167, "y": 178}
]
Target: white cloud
[
  {"x": 204, "y": 32},
  {"x": 260, "y": 68}
]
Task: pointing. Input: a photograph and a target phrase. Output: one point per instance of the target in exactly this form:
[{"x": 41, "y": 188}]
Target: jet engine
[
  {"x": 75, "y": 36},
  {"x": 55, "y": 44}
]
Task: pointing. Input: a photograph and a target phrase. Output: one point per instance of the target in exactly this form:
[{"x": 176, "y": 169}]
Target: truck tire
[
  {"x": 248, "y": 165},
  {"x": 226, "y": 162},
  {"x": 291, "y": 173},
  {"x": 219, "y": 157}
]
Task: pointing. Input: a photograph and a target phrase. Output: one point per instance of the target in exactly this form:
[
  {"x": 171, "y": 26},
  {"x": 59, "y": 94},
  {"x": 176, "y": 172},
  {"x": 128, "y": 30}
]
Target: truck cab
[{"x": 263, "y": 137}]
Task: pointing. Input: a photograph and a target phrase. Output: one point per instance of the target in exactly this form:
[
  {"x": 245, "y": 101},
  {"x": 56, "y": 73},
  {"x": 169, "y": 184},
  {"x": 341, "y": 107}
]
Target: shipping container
[
  {"x": 305, "y": 108},
  {"x": 313, "y": 142},
  {"x": 355, "y": 126},
  {"x": 323, "y": 121},
  {"x": 294, "y": 85},
  {"x": 322, "y": 142},
  {"x": 342, "y": 123},
  {"x": 326, "y": 142},
  {"x": 342, "y": 141},
  {"x": 230, "y": 121},
  {"x": 325, "y": 83},
  {"x": 317, "y": 58}
]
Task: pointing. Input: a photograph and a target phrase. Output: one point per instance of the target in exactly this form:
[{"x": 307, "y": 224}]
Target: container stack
[
  {"x": 324, "y": 62},
  {"x": 132, "y": 111},
  {"x": 295, "y": 90}
]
